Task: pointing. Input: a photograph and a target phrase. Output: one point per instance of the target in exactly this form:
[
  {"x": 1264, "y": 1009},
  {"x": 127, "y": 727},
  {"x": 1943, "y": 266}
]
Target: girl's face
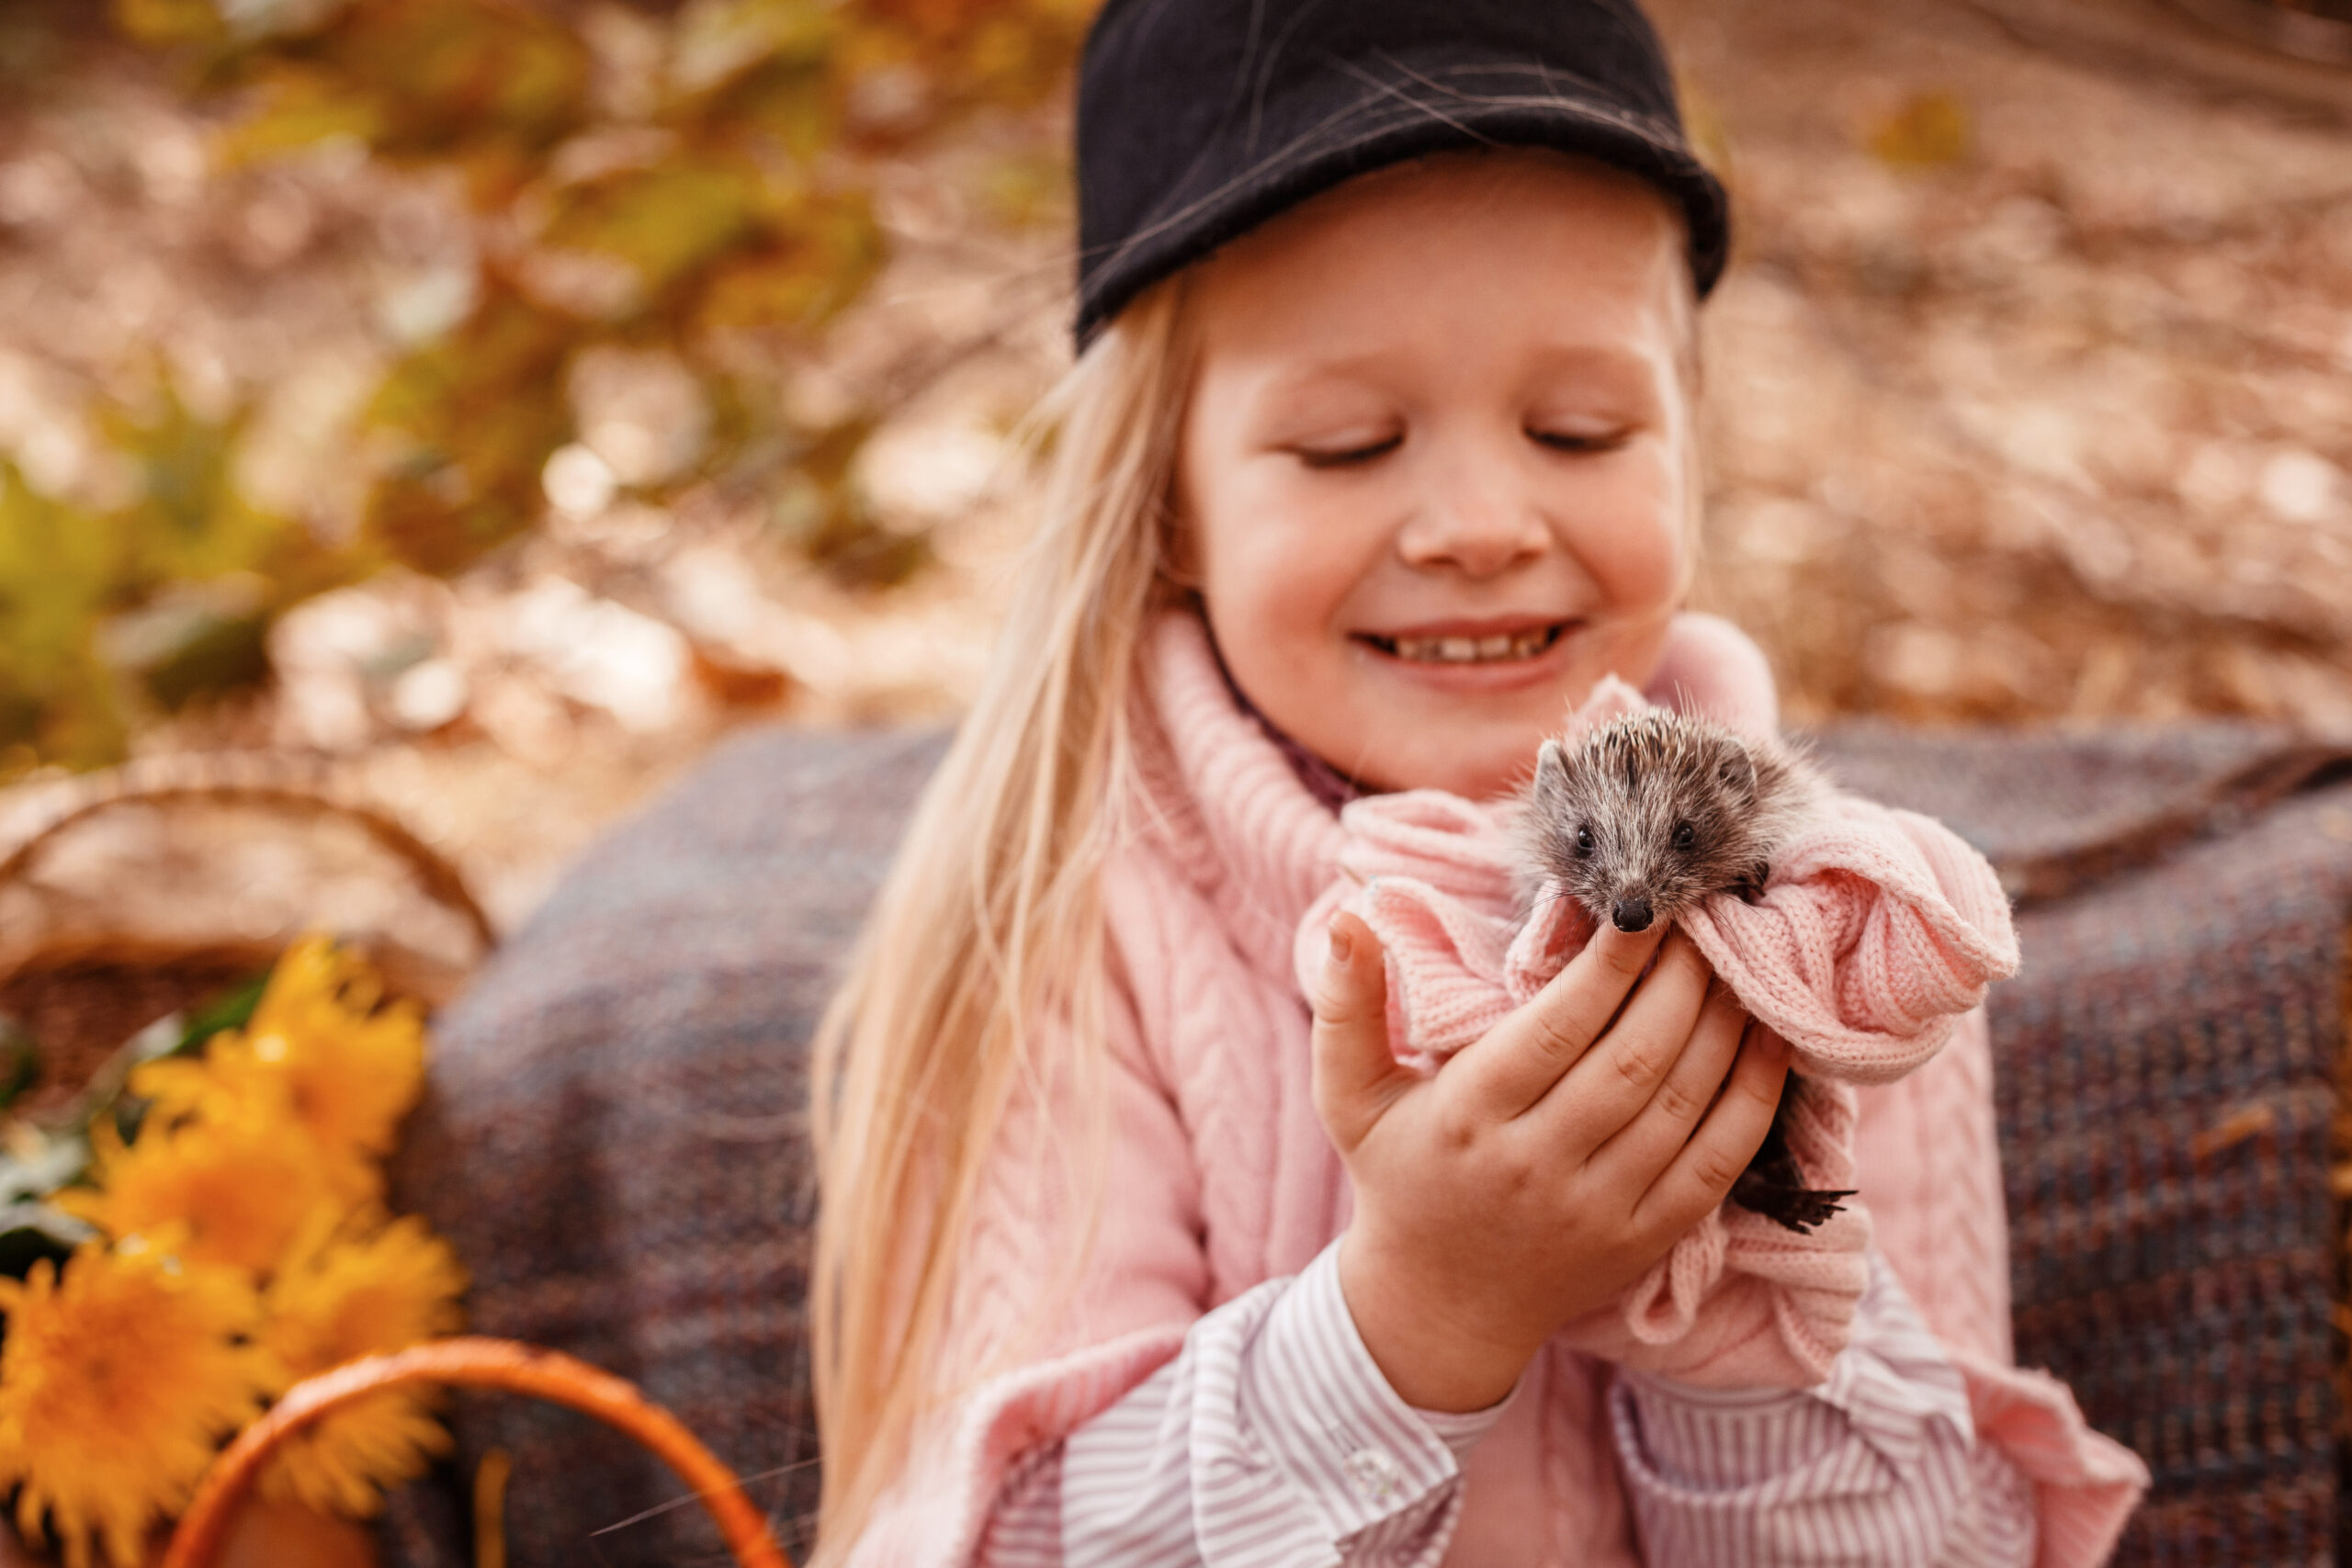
[{"x": 1433, "y": 478}]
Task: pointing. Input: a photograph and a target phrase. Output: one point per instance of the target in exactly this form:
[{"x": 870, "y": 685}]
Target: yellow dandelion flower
[
  {"x": 318, "y": 1042},
  {"x": 183, "y": 1088},
  {"x": 237, "y": 1189},
  {"x": 339, "y": 1298},
  {"x": 118, "y": 1379}
]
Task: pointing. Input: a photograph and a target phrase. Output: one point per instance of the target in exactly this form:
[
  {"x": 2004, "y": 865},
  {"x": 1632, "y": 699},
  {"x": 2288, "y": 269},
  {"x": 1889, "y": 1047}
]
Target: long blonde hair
[{"x": 990, "y": 917}]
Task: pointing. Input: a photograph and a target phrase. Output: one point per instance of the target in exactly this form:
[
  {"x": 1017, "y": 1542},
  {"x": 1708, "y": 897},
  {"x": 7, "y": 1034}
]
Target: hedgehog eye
[
  {"x": 1584, "y": 840},
  {"x": 1685, "y": 835}
]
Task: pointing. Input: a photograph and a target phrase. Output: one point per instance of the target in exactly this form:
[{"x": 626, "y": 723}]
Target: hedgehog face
[{"x": 1644, "y": 817}]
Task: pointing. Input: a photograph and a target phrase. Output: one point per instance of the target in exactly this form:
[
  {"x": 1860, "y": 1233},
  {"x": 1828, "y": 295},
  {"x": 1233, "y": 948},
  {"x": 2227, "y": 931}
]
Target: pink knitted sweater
[{"x": 1215, "y": 1175}]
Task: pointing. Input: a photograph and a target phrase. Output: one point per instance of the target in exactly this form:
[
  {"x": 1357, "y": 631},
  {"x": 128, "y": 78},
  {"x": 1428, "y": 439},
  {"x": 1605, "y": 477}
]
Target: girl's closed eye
[
  {"x": 1348, "y": 448},
  {"x": 1579, "y": 436}
]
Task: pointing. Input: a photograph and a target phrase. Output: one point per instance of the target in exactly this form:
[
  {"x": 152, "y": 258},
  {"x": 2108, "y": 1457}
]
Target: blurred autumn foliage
[
  {"x": 672, "y": 195},
  {"x": 499, "y": 402}
]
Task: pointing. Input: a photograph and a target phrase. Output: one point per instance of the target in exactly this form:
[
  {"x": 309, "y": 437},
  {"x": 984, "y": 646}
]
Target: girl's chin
[
  {"x": 1470, "y": 729},
  {"x": 1476, "y": 765}
]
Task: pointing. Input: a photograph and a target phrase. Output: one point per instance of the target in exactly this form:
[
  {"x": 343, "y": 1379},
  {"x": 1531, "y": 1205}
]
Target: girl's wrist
[{"x": 1431, "y": 1360}]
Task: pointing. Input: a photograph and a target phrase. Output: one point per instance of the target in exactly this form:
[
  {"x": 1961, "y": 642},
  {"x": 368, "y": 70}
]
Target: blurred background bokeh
[{"x": 481, "y": 406}]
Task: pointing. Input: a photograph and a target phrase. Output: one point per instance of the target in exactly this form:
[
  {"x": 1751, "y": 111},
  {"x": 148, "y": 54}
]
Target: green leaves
[
  {"x": 472, "y": 418},
  {"x": 19, "y": 1061},
  {"x": 490, "y": 87},
  {"x": 1927, "y": 130},
  {"x": 108, "y": 614},
  {"x": 39, "y": 1157},
  {"x": 58, "y": 573},
  {"x": 669, "y": 218},
  {"x": 798, "y": 278},
  {"x": 197, "y": 560},
  {"x": 690, "y": 181},
  {"x": 189, "y": 519}
]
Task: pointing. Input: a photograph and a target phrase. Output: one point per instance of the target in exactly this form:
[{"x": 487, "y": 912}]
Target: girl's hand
[{"x": 1545, "y": 1168}]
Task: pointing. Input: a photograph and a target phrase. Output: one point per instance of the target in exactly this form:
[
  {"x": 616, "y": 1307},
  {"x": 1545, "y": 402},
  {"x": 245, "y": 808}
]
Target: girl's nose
[{"x": 1481, "y": 528}]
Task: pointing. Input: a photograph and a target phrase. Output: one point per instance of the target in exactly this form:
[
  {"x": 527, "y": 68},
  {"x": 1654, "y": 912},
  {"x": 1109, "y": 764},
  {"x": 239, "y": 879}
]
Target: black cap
[{"x": 1199, "y": 119}]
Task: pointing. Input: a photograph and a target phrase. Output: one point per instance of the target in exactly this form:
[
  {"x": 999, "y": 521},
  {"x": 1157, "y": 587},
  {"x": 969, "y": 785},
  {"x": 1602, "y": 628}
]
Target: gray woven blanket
[{"x": 614, "y": 1135}]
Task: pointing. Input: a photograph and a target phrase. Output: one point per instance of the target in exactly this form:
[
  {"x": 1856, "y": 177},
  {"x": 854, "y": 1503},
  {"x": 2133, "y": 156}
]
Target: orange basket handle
[{"x": 476, "y": 1363}]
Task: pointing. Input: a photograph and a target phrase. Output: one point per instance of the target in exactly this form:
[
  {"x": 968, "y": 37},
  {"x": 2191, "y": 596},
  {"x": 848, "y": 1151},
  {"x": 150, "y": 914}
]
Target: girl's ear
[{"x": 1180, "y": 563}]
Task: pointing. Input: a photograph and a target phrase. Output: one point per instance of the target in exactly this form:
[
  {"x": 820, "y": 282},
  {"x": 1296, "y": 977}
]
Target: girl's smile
[
  {"x": 1467, "y": 654},
  {"x": 1434, "y": 479}
]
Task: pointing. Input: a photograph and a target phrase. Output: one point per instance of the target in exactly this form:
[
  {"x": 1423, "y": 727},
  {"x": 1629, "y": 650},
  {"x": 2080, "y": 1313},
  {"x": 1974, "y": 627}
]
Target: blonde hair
[{"x": 991, "y": 918}]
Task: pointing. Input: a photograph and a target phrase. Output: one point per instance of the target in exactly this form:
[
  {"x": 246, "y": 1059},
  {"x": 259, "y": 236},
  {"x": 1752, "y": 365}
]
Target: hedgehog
[{"x": 1644, "y": 817}]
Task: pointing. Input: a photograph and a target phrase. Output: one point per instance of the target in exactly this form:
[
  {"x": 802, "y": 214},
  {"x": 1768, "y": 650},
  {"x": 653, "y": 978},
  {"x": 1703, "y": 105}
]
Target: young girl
[{"x": 1377, "y": 459}]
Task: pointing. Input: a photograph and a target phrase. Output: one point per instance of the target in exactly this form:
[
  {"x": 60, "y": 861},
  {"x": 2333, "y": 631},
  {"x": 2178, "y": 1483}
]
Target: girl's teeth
[{"x": 1470, "y": 650}]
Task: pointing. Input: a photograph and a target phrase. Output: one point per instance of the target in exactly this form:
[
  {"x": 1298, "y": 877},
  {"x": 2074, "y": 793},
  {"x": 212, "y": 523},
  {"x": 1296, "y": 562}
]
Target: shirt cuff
[
  {"x": 1328, "y": 1417},
  {"x": 1893, "y": 1384}
]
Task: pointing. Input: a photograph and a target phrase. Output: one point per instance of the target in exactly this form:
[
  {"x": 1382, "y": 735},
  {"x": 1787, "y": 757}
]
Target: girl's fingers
[
  {"x": 1355, "y": 1074},
  {"x": 1648, "y": 1143},
  {"x": 1726, "y": 1139},
  {"x": 1622, "y": 1073},
  {"x": 1521, "y": 1057}
]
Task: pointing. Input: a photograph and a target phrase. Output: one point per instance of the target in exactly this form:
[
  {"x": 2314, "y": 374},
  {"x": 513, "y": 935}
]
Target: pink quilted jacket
[{"x": 1219, "y": 1176}]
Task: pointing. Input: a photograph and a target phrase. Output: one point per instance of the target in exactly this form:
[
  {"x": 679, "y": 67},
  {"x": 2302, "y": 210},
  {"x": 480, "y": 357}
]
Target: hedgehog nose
[{"x": 1632, "y": 914}]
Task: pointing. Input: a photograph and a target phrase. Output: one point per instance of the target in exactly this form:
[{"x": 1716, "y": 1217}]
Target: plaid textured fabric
[
  {"x": 2166, "y": 1079},
  {"x": 614, "y": 1137}
]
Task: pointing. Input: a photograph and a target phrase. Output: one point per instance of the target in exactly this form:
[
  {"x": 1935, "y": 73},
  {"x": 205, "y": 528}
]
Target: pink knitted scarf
[{"x": 1877, "y": 929}]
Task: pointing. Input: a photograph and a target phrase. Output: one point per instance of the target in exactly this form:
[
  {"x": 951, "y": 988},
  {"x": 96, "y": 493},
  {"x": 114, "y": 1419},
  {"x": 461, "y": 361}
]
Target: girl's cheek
[
  {"x": 1637, "y": 542},
  {"x": 1277, "y": 589},
  {"x": 1286, "y": 557}
]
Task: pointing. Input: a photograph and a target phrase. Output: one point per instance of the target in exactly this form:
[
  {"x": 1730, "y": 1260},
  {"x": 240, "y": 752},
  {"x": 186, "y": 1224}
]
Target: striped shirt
[{"x": 1274, "y": 1440}]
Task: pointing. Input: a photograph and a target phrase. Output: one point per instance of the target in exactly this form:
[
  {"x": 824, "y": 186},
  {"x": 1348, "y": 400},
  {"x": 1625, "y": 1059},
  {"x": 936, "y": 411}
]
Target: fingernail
[{"x": 1343, "y": 941}]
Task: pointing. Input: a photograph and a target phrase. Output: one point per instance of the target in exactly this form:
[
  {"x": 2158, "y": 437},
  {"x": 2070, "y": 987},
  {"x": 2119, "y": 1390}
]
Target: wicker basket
[
  {"x": 83, "y": 971},
  {"x": 84, "y": 975}
]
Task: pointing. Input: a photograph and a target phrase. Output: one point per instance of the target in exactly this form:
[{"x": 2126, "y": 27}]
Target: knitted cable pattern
[{"x": 1222, "y": 1177}]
